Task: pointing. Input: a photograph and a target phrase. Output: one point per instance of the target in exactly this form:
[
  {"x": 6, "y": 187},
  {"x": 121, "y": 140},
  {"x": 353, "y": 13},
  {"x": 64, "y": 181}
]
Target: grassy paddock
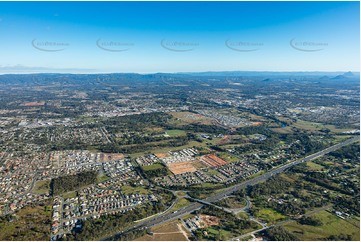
[
  {"x": 269, "y": 215},
  {"x": 331, "y": 225},
  {"x": 41, "y": 187}
]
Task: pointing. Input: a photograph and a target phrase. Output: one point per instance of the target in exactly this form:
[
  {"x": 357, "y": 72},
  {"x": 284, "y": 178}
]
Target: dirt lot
[
  {"x": 161, "y": 155},
  {"x": 212, "y": 160},
  {"x": 181, "y": 167},
  {"x": 167, "y": 232},
  {"x": 226, "y": 139},
  {"x": 33, "y": 104},
  {"x": 110, "y": 157},
  {"x": 207, "y": 220}
]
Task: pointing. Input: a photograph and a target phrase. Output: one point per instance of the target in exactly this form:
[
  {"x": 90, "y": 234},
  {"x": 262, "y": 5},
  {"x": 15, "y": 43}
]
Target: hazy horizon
[{"x": 187, "y": 73}]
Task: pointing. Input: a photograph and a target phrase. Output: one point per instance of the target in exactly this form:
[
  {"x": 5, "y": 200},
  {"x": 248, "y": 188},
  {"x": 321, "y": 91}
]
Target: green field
[
  {"x": 180, "y": 204},
  {"x": 242, "y": 215},
  {"x": 102, "y": 178},
  {"x": 211, "y": 171},
  {"x": 41, "y": 187},
  {"x": 269, "y": 215},
  {"x": 175, "y": 132},
  {"x": 128, "y": 190},
  {"x": 181, "y": 194},
  {"x": 313, "y": 166},
  {"x": 152, "y": 167},
  {"x": 69, "y": 195},
  {"x": 227, "y": 156},
  {"x": 155, "y": 167},
  {"x": 309, "y": 126},
  {"x": 219, "y": 234},
  {"x": 331, "y": 225}
]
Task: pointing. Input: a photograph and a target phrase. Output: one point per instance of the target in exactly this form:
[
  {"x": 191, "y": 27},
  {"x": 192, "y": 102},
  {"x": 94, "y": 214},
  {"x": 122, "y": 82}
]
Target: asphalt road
[{"x": 228, "y": 191}]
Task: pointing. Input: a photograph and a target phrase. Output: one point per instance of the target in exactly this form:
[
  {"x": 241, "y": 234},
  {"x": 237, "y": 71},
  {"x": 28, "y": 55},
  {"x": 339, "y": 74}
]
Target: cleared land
[
  {"x": 152, "y": 167},
  {"x": 41, "y": 187},
  {"x": 212, "y": 160},
  {"x": 167, "y": 232},
  {"x": 181, "y": 167},
  {"x": 207, "y": 220},
  {"x": 33, "y": 104},
  {"x": 110, "y": 156},
  {"x": 161, "y": 155},
  {"x": 227, "y": 156},
  {"x": 128, "y": 190}
]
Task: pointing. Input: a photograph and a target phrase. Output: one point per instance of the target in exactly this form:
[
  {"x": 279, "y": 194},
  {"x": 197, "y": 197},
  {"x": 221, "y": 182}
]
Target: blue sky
[{"x": 147, "y": 37}]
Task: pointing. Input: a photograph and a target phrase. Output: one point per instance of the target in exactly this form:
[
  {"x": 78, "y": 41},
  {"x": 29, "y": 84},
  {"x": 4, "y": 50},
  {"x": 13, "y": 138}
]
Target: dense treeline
[
  {"x": 279, "y": 234},
  {"x": 248, "y": 130},
  {"x": 163, "y": 171},
  {"x": 351, "y": 152},
  {"x": 136, "y": 122},
  {"x": 68, "y": 183},
  {"x": 229, "y": 222},
  {"x": 129, "y": 236},
  {"x": 318, "y": 179},
  {"x": 350, "y": 205},
  {"x": 278, "y": 185},
  {"x": 275, "y": 185},
  {"x": 107, "y": 225},
  {"x": 309, "y": 221},
  {"x": 116, "y": 148},
  {"x": 203, "y": 128},
  {"x": 341, "y": 237},
  {"x": 305, "y": 145}
]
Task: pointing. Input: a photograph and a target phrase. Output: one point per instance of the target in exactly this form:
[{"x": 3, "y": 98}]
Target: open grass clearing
[
  {"x": 175, "y": 132},
  {"x": 331, "y": 225},
  {"x": 182, "y": 202},
  {"x": 128, "y": 190},
  {"x": 71, "y": 194},
  {"x": 269, "y": 215},
  {"x": 41, "y": 187},
  {"x": 152, "y": 167}
]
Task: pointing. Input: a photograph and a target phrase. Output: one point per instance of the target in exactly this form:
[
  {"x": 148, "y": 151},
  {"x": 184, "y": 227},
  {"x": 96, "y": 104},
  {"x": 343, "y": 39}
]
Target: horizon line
[{"x": 173, "y": 73}]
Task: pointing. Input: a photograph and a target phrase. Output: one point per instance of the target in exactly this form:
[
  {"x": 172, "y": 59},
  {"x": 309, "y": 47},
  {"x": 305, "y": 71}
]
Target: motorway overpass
[{"x": 228, "y": 191}]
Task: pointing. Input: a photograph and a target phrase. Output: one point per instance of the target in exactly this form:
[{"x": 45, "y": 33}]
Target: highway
[{"x": 228, "y": 191}]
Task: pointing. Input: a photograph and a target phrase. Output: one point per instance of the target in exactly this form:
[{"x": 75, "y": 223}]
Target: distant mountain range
[
  {"x": 271, "y": 73},
  {"x": 267, "y": 75}
]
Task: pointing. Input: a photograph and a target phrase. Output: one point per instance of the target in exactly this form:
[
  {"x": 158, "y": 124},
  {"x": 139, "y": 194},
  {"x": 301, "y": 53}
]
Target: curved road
[{"x": 228, "y": 191}]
